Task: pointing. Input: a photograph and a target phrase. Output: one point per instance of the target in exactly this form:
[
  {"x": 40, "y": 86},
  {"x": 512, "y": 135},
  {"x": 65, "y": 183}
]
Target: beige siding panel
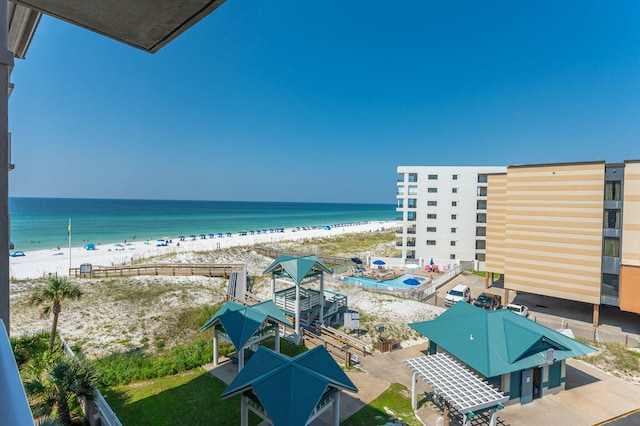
[
  {"x": 630, "y": 288},
  {"x": 553, "y": 230},
  {"x": 630, "y": 254}
]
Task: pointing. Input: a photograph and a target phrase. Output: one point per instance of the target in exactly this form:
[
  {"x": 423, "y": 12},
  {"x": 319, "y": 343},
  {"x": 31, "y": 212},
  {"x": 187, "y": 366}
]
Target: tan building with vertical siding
[{"x": 570, "y": 231}]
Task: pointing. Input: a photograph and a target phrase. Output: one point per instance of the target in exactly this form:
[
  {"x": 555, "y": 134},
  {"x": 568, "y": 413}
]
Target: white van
[{"x": 457, "y": 294}]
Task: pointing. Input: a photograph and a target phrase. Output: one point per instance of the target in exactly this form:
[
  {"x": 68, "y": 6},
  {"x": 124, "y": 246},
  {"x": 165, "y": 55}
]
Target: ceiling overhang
[{"x": 145, "y": 24}]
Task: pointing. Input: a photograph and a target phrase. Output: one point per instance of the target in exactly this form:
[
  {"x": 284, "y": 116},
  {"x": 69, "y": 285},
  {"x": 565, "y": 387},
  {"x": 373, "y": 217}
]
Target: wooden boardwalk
[{"x": 164, "y": 269}]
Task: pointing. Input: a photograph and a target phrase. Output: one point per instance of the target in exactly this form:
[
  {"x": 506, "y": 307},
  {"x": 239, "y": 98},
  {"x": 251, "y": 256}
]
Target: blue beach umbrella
[
  {"x": 211, "y": 235},
  {"x": 181, "y": 237},
  {"x": 378, "y": 262},
  {"x": 411, "y": 281}
]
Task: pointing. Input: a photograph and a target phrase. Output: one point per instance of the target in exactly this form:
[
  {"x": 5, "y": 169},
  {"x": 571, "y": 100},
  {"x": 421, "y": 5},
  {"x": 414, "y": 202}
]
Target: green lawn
[
  {"x": 190, "y": 398},
  {"x": 394, "y": 403}
]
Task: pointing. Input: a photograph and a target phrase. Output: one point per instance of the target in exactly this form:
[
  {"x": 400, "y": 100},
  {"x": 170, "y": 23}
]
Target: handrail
[{"x": 165, "y": 269}]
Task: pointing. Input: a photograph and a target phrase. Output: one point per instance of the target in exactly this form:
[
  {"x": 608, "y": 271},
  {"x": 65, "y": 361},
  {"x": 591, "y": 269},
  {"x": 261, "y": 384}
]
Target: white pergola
[{"x": 459, "y": 387}]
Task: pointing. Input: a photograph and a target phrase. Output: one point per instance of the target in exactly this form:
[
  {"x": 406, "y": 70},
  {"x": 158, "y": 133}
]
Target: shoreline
[{"x": 40, "y": 263}]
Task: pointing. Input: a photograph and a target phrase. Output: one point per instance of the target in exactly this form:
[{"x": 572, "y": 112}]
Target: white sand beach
[{"x": 39, "y": 263}]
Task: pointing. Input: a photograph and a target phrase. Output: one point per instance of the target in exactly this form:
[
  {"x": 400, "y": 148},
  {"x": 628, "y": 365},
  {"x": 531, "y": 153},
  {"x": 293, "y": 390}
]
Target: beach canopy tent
[
  {"x": 298, "y": 269},
  {"x": 496, "y": 342},
  {"x": 290, "y": 391},
  {"x": 244, "y": 326}
]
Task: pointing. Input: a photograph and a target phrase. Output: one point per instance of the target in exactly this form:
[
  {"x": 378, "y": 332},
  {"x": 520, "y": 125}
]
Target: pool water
[{"x": 394, "y": 284}]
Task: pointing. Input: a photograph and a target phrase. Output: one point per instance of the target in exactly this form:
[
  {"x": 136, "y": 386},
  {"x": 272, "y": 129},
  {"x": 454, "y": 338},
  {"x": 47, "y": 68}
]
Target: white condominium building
[{"x": 444, "y": 213}]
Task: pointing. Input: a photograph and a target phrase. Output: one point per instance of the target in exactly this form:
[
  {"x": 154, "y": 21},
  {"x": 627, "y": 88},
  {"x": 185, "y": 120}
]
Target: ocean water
[{"x": 41, "y": 223}]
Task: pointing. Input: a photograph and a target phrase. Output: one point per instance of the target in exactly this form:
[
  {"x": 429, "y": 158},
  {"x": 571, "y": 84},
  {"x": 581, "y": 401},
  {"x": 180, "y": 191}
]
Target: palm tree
[
  {"x": 55, "y": 385},
  {"x": 51, "y": 295}
]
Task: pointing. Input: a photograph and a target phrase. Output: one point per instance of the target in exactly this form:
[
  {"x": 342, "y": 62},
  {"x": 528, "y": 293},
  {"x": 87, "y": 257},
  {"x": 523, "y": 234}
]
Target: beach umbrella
[
  {"x": 219, "y": 234},
  {"x": 378, "y": 262},
  {"x": 181, "y": 237},
  {"x": 431, "y": 262},
  {"x": 202, "y": 236},
  {"x": 412, "y": 266},
  {"x": 356, "y": 260},
  {"x": 192, "y": 236},
  {"x": 210, "y": 235},
  {"x": 411, "y": 281}
]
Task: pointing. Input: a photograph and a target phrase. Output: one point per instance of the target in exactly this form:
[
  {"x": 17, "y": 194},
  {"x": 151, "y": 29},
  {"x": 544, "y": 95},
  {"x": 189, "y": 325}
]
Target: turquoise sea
[{"x": 41, "y": 223}]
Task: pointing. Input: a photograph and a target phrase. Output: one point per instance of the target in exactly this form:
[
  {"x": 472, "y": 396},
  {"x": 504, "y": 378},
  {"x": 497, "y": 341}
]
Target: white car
[
  {"x": 460, "y": 293},
  {"x": 518, "y": 309}
]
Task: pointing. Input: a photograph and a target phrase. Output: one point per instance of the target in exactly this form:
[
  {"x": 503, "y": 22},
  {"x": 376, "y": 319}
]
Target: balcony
[{"x": 411, "y": 231}]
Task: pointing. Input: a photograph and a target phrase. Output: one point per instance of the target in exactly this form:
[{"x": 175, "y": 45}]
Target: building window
[
  {"x": 432, "y": 203},
  {"x": 482, "y": 178},
  {"x": 610, "y": 285},
  {"x": 431, "y": 242},
  {"x": 412, "y": 203},
  {"x": 433, "y": 177},
  {"x": 432, "y": 216},
  {"x": 612, "y": 219},
  {"x": 431, "y": 229},
  {"x": 453, "y": 243},
  {"x": 454, "y": 190},
  {"x": 454, "y": 177},
  {"x": 452, "y": 256},
  {"x": 612, "y": 191},
  {"x": 454, "y": 230},
  {"x": 454, "y": 216},
  {"x": 432, "y": 190},
  {"x": 454, "y": 204},
  {"x": 611, "y": 247}
]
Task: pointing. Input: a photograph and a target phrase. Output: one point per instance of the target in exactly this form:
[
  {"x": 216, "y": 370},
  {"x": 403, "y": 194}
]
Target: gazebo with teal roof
[
  {"x": 288, "y": 391},
  {"x": 522, "y": 358},
  {"x": 245, "y": 326},
  {"x": 302, "y": 302}
]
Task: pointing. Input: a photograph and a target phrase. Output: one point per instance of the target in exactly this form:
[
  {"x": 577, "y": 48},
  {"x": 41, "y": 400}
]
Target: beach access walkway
[{"x": 166, "y": 269}]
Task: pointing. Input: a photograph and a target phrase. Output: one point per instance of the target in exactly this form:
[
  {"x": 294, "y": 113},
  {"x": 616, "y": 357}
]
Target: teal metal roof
[
  {"x": 241, "y": 322},
  {"x": 497, "y": 342},
  {"x": 297, "y": 267},
  {"x": 289, "y": 389}
]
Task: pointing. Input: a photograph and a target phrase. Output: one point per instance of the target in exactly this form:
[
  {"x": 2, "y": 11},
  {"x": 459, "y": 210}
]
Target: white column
[
  {"x": 336, "y": 409},
  {"x": 322, "y": 298},
  {"x": 297, "y": 325},
  {"x": 244, "y": 411},
  {"x": 494, "y": 418},
  {"x": 273, "y": 287},
  {"x": 240, "y": 359},
  {"x": 6, "y": 61},
  {"x": 277, "y": 344},
  {"x": 216, "y": 354},
  {"x": 414, "y": 391}
]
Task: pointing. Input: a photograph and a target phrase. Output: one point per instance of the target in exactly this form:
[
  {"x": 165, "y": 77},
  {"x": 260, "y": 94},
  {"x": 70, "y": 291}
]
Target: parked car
[
  {"x": 518, "y": 309},
  {"x": 489, "y": 302},
  {"x": 458, "y": 293},
  {"x": 17, "y": 253}
]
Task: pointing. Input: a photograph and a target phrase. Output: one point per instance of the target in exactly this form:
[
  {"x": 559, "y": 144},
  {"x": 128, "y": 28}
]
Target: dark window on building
[
  {"x": 612, "y": 219},
  {"x": 454, "y": 204},
  {"x": 454, "y": 190},
  {"x": 431, "y": 242},
  {"x": 454, "y": 177},
  {"x": 611, "y": 247},
  {"x": 454, "y": 230},
  {"x": 432, "y": 190},
  {"x": 610, "y": 285},
  {"x": 454, "y": 216},
  {"x": 482, "y": 178},
  {"x": 452, "y": 256},
  {"x": 453, "y": 243},
  {"x": 432, "y": 216},
  {"x": 431, "y": 229},
  {"x": 432, "y": 203},
  {"x": 433, "y": 177},
  {"x": 613, "y": 191}
]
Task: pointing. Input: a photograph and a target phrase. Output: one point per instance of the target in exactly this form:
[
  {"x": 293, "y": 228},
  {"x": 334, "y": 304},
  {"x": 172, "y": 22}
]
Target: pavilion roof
[
  {"x": 497, "y": 342},
  {"x": 241, "y": 322},
  {"x": 289, "y": 389},
  {"x": 297, "y": 268}
]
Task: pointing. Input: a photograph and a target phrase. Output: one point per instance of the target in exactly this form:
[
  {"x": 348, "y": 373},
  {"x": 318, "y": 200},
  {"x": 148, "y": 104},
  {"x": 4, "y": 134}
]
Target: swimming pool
[{"x": 394, "y": 284}]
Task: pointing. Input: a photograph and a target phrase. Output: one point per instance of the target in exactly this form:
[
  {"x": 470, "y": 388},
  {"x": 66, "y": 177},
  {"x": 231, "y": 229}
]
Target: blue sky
[{"x": 321, "y": 101}]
